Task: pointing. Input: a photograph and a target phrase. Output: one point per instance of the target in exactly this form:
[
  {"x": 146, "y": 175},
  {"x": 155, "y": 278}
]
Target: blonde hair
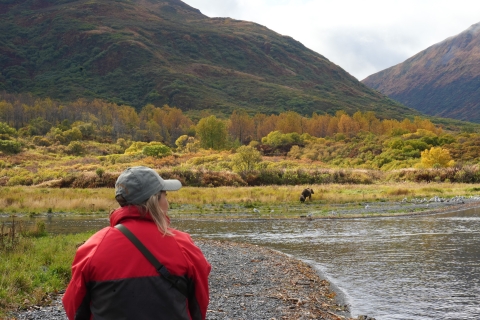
[{"x": 152, "y": 206}]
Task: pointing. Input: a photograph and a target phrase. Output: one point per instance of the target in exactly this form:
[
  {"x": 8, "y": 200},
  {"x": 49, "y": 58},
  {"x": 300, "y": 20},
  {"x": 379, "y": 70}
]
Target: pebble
[{"x": 247, "y": 282}]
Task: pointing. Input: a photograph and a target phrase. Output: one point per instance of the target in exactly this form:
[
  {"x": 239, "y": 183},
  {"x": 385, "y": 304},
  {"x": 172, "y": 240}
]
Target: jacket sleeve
[
  {"x": 76, "y": 300},
  {"x": 198, "y": 274}
]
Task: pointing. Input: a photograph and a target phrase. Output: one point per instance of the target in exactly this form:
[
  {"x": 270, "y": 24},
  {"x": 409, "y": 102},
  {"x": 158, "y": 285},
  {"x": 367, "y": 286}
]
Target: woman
[{"x": 113, "y": 279}]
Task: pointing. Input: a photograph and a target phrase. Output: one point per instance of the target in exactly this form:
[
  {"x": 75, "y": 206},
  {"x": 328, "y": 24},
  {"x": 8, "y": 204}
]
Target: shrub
[
  {"x": 295, "y": 152},
  {"x": 436, "y": 157},
  {"x": 72, "y": 135},
  {"x": 6, "y": 130},
  {"x": 157, "y": 150},
  {"x": 75, "y": 148},
  {"x": 100, "y": 172},
  {"x": 10, "y": 147},
  {"x": 38, "y": 231},
  {"x": 181, "y": 142},
  {"x": 277, "y": 139},
  {"x": 205, "y": 159},
  {"x": 246, "y": 158},
  {"x": 87, "y": 181},
  {"x": 136, "y": 147},
  {"x": 124, "y": 144},
  {"x": 224, "y": 178},
  {"x": 41, "y": 141},
  {"x": 23, "y": 180}
]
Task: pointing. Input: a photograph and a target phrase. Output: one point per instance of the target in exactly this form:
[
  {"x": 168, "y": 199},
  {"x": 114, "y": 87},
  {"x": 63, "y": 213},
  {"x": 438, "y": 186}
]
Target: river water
[{"x": 416, "y": 267}]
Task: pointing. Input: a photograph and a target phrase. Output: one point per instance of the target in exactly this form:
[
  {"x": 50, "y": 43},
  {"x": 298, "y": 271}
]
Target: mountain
[
  {"x": 165, "y": 52},
  {"x": 443, "y": 80}
]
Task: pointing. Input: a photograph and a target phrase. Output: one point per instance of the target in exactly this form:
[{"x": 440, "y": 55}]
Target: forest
[{"x": 43, "y": 140}]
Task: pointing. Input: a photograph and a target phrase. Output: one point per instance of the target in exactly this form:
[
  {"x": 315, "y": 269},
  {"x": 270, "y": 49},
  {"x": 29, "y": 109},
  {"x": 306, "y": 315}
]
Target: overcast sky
[{"x": 361, "y": 36}]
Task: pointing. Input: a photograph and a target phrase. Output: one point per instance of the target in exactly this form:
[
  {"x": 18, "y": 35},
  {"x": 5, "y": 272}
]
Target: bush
[
  {"x": 135, "y": 147},
  {"x": 6, "y": 130},
  {"x": 20, "y": 180},
  {"x": 75, "y": 148},
  {"x": 277, "y": 139},
  {"x": 100, "y": 172},
  {"x": 204, "y": 178},
  {"x": 218, "y": 179},
  {"x": 41, "y": 141},
  {"x": 87, "y": 181},
  {"x": 157, "y": 150},
  {"x": 196, "y": 161},
  {"x": 10, "y": 147},
  {"x": 246, "y": 158}
]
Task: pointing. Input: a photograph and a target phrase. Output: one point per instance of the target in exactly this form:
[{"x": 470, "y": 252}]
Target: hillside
[
  {"x": 165, "y": 52},
  {"x": 443, "y": 80}
]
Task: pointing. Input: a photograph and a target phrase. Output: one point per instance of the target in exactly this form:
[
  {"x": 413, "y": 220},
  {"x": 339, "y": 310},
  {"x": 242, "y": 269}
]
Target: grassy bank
[
  {"x": 34, "y": 200},
  {"x": 33, "y": 265}
]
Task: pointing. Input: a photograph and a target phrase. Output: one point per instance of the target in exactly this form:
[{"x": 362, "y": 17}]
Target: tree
[
  {"x": 176, "y": 122},
  {"x": 289, "y": 122},
  {"x": 264, "y": 124},
  {"x": 436, "y": 157},
  {"x": 246, "y": 158},
  {"x": 347, "y": 125},
  {"x": 6, "y": 112},
  {"x": 212, "y": 133},
  {"x": 317, "y": 126},
  {"x": 241, "y": 126}
]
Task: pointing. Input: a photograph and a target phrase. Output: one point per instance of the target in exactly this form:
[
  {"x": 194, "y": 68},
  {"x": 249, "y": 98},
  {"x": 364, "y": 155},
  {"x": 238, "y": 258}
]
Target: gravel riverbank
[{"x": 248, "y": 282}]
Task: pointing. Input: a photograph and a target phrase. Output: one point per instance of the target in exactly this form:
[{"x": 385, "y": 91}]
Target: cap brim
[{"x": 171, "y": 185}]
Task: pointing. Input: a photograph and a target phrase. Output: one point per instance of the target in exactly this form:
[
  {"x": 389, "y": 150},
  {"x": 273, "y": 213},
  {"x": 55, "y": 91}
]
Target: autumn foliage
[{"x": 285, "y": 148}]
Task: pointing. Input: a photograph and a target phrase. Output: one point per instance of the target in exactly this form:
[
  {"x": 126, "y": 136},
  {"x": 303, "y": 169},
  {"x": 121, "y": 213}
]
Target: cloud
[
  {"x": 361, "y": 55},
  {"x": 216, "y": 8}
]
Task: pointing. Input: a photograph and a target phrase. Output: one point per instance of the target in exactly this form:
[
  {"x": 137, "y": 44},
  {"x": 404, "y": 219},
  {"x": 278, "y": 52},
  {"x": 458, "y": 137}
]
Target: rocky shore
[{"x": 248, "y": 282}]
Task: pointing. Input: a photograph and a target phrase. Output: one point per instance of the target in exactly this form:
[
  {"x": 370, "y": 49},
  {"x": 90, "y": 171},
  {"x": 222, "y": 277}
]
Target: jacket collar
[
  {"x": 129, "y": 212},
  {"x": 126, "y": 213}
]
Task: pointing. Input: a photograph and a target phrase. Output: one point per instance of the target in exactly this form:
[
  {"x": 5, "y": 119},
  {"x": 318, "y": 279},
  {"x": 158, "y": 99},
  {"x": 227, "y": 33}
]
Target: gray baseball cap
[{"x": 136, "y": 184}]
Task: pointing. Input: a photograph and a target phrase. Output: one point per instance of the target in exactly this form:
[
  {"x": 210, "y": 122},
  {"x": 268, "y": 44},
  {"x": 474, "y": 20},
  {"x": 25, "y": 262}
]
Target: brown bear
[{"x": 306, "y": 193}]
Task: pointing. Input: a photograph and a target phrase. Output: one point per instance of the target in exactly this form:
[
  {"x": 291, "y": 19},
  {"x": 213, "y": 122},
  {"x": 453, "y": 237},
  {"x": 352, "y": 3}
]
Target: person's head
[{"x": 144, "y": 188}]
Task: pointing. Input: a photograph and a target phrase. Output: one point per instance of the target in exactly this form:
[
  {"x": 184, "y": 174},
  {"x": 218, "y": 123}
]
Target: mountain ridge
[
  {"x": 166, "y": 52},
  {"x": 442, "y": 80}
]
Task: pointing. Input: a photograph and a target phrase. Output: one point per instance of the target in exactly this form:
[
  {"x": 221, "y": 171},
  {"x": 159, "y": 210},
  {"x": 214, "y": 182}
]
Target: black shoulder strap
[{"x": 178, "y": 282}]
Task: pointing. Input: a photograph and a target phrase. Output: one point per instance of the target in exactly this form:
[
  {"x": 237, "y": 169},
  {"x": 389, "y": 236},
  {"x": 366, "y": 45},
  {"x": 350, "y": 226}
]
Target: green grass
[{"x": 34, "y": 268}]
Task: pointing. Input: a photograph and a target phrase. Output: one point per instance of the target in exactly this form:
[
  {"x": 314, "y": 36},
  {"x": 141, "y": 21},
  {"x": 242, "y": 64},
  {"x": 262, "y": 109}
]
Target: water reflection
[{"x": 424, "y": 267}]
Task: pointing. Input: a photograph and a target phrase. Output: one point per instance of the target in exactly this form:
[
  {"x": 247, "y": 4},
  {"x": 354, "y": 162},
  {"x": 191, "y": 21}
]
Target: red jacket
[{"x": 111, "y": 279}]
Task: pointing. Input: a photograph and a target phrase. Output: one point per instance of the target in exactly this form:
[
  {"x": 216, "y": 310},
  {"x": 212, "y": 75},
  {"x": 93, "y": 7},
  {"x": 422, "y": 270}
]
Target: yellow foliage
[
  {"x": 436, "y": 157},
  {"x": 136, "y": 147}
]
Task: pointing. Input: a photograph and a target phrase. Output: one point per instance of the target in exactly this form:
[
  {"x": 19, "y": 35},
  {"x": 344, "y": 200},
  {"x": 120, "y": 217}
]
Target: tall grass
[
  {"x": 31, "y": 200},
  {"x": 35, "y": 266},
  {"x": 34, "y": 200}
]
